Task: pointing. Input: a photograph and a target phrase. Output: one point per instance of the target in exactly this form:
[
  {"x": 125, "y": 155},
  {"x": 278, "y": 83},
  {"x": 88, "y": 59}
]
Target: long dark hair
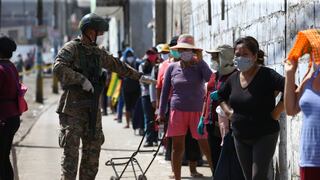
[{"x": 252, "y": 44}]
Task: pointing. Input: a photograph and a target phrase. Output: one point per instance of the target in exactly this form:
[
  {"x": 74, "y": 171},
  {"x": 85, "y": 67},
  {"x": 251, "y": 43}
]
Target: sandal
[{"x": 196, "y": 175}]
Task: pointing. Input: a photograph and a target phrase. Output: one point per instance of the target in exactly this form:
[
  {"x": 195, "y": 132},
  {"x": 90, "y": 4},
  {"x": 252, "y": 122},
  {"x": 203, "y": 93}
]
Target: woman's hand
[
  {"x": 229, "y": 113},
  {"x": 290, "y": 66},
  {"x": 160, "y": 119},
  {"x": 227, "y": 109}
]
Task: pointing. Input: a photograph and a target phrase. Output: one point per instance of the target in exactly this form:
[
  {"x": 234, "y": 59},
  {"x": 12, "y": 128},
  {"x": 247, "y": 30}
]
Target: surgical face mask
[
  {"x": 214, "y": 65},
  {"x": 243, "y": 64},
  {"x": 164, "y": 56},
  {"x": 99, "y": 40},
  {"x": 175, "y": 54},
  {"x": 186, "y": 55},
  {"x": 130, "y": 59}
]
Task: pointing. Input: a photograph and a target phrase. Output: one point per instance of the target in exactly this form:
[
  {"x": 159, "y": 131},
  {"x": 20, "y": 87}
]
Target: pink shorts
[{"x": 180, "y": 121}]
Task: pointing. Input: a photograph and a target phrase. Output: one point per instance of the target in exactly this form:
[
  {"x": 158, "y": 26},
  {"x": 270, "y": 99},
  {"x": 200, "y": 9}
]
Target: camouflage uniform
[{"x": 70, "y": 68}]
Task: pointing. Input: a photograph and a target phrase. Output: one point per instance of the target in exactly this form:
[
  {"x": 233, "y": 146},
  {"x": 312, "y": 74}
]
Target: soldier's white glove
[
  {"x": 87, "y": 86},
  {"x": 147, "y": 80}
]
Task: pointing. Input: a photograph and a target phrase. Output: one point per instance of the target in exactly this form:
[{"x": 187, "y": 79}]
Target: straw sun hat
[{"x": 185, "y": 41}]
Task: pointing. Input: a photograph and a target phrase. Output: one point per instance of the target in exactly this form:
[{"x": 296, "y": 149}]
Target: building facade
[{"x": 274, "y": 24}]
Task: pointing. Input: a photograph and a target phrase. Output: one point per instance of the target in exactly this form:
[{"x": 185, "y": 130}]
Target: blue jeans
[
  {"x": 148, "y": 111},
  {"x": 120, "y": 107}
]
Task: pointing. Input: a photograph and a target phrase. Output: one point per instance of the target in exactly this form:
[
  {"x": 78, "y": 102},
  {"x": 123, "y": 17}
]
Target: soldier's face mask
[{"x": 99, "y": 40}]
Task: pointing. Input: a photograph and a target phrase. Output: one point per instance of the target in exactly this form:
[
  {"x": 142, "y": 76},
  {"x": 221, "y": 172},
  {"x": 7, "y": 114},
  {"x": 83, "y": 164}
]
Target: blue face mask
[
  {"x": 243, "y": 64},
  {"x": 175, "y": 54},
  {"x": 164, "y": 56}
]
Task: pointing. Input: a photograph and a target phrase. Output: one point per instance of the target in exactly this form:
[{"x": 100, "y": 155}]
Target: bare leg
[
  {"x": 176, "y": 155},
  {"x": 128, "y": 116},
  {"x": 205, "y": 149},
  {"x": 193, "y": 169}
]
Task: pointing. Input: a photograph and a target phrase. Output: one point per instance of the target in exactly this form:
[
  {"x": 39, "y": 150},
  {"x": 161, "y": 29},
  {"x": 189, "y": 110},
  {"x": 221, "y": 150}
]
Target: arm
[
  {"x": 227, "y": 109},
  {"x": 165, "y": 92},
  {"x": 152, "y": 90},
  {"x": 158, "y": 94},
  {"x": 278, "y": 83},
  {"x": 277, "y": 110},
  {"x": 223, "y": 97},
  {"x": 113, "y": 64},
  {"x": 62, "y": 66},
  {"x": 205, "y": 70},
  {"x": 291, "y": 96}
]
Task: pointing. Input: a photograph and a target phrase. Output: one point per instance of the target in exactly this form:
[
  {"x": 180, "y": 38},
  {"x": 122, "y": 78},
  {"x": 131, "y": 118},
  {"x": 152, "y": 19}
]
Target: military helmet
[{"x": 93, "y": 21}]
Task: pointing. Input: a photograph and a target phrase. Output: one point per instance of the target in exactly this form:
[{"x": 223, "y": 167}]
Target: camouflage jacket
[{"x": 67, "y": 68}]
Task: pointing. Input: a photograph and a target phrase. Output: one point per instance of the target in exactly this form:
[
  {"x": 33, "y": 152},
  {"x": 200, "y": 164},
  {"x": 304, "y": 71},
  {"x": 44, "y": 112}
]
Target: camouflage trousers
[{"x": 73, "y": 129}]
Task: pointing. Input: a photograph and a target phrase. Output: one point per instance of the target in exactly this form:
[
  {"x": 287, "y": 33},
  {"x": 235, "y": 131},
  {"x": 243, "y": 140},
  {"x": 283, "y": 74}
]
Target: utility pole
[
  {"x": 0, "y": 12},
  {"x": 55, "y": 89},
  {"x": 39, "y": 80}
]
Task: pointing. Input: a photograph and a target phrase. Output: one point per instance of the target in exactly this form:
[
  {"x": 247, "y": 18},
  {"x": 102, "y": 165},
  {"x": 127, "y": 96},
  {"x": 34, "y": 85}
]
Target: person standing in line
[
  {"x": 130, "y": 88},
  {"x": 78, "y": 67},
  {"x": 222, "y": 64},
  {"x": 305, "y": 98},
  {"x": 9, "y": 111},
  {"x": 148, "y": 108},
  {"x": 247, "y": 99},
  {"x": 185, "y": 79},
  {"x": 192, "y": 154}
]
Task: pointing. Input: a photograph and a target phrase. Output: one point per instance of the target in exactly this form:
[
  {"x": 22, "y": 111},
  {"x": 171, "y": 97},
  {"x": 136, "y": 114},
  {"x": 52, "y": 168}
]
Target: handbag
[
  {"x": 22, "y": 103},
  {"x": 21, "y": 91},
  {"x": 228, "y": 167}
]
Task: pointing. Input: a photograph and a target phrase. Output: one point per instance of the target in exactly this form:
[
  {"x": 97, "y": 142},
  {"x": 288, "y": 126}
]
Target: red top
[
  {"x": 162, "y": 71},
  {"x": 214, "y": 84},
  {"x": 8, "y": 89}
]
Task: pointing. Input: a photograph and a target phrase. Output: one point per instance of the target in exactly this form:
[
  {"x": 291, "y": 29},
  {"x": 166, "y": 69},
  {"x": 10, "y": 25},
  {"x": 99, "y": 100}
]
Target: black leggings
[
  {"x": 255, "y": 155},
  {"x": 7, "y": 131}
]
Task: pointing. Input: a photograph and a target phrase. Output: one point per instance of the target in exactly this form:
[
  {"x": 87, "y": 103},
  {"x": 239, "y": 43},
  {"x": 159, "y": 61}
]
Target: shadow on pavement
[{"x": 57, "y": 147}]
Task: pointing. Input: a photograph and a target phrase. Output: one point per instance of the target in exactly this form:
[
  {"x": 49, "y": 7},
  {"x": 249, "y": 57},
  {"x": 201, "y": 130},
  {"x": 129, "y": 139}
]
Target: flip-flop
[{"x": 196, "y": 175}]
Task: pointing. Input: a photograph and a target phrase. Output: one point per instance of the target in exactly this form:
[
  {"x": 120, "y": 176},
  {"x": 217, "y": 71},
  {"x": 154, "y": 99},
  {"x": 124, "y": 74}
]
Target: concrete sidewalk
[{"x": 36, "y": 154}]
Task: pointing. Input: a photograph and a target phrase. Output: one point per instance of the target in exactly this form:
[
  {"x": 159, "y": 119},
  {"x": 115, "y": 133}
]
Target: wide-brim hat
[
  {"x": 185, "y": 41},
  {"x": 221, "y": 48}
]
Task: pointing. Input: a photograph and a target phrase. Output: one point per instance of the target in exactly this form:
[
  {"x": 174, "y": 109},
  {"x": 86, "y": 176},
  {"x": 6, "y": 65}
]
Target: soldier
[{"x": 79, "y": 66}]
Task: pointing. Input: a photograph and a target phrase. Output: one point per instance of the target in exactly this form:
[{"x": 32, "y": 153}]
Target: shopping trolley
[{"x": 132, "y": 161}]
